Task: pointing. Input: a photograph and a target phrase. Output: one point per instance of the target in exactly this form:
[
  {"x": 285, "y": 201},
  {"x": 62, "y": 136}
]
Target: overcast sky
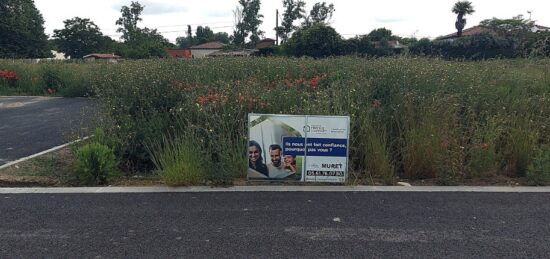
[{"x": 420, "y": 18}]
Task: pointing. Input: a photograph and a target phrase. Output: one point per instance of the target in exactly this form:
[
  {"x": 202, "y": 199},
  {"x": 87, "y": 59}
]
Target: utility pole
[{"x": 277, "y": 26}]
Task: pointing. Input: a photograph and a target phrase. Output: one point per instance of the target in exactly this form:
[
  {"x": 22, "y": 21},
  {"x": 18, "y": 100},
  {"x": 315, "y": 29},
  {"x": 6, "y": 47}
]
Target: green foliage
[
  {"x": 320, "y": 13},
  {"x": 381, "y": 34},
  {"x": 248, "y": 21},
  {"x": 80, "y": 37},
  {"x": 179, "y": 160},
  {"x": 139, "y": 43},
  {"x": 462, "y": 8},
  {"x": 374, "y": 154},
  {"x": 203, "y": 35},
  {"x": 95, "y": 164},
  {"x": 538, "y": 172},
  {"x": 316, "y": 41},
  {"x": 475, "y": 47},
  {"x": 22, "y": 30},
  {"x": 294, "y": 10},
  {"x": 423, "y": 117}
]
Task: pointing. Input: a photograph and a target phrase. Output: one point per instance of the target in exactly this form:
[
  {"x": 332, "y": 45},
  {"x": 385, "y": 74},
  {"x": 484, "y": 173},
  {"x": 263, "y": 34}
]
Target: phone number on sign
[{"x": 325, "y": 173}]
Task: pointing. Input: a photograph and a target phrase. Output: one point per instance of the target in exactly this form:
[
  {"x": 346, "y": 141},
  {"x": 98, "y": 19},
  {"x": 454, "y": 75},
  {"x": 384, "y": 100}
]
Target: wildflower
[
  {"x": 314, "y": 82},
  {"x": 202, "y": 100},
  {"x": 250, "y": 105},
  {"x": 376, "y": 104},
  {"x": 263, "y": 105},
  {"x": 9, "y": 75},
  {"x": 287, "y": 83}
]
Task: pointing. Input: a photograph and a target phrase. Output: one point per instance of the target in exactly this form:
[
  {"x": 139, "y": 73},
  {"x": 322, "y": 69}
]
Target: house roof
[
  {"x": 466, "y": 32},
  {"x": 102, "y": 56},
  {"x": 541, "y": 28},
  {"x": 265, "y": 43},
  {"x": 233, "y": 53},
  {"x": 209, "y": 45}
]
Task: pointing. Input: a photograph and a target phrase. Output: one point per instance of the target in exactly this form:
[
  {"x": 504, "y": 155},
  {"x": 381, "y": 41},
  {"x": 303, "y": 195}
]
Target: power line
[
  {"x": 193, "y": 24},
  {"x": 219, "y": 27}
]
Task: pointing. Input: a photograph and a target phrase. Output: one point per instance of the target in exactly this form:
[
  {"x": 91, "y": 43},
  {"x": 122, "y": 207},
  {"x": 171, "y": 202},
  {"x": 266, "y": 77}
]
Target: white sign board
[{"x": 300, "y": 148}]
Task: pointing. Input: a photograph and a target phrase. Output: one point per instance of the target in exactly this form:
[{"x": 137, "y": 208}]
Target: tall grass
[
  {"x": 179, "y": 160},
  {"x": 411, "y": 117}
]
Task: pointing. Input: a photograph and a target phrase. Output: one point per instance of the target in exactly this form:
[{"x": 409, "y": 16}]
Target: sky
[{"x": 406, "y": 18}]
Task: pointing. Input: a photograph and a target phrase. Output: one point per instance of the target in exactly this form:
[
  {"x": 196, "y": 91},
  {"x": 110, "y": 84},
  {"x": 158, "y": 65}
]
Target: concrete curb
[{"x": 203, "y": 189}]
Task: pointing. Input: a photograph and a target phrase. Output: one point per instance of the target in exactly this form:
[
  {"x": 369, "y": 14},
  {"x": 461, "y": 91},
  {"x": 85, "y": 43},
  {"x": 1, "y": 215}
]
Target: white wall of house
[{"x": 201, "y": 53}]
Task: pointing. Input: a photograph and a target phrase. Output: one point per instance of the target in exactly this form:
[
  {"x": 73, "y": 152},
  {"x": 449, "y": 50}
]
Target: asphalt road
[
  {"x": 29, "y": 125},
  {"x": 275, "y": 225}
]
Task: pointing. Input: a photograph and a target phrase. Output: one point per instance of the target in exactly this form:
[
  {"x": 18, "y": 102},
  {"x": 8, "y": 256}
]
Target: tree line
[{"x": 302, "y": 33}]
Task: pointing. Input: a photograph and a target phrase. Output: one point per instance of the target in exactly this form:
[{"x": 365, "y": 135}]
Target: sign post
[{"x": 298, "y": 148}]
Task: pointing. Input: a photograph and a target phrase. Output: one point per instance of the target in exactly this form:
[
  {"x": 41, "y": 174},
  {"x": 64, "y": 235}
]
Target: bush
[
  {"x": 539, "y": 171},
  {"x": 95, "y": 164}
]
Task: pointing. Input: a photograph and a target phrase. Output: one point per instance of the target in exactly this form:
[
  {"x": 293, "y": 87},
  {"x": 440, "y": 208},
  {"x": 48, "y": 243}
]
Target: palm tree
[{"x": 462, "y": 8}]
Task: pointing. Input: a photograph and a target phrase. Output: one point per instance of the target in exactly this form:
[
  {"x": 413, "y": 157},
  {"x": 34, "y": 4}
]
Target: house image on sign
[{"x": 203, "y": 50}]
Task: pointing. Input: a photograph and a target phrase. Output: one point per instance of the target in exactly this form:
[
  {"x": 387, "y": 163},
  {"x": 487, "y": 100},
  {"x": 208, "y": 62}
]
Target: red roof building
[
  {"x": 179, "y": 53},
  {"x": 466, "y": 32}
]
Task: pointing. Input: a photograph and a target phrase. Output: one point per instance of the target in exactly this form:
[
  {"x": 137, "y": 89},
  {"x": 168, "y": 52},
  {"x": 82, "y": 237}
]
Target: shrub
[
  {"x": 95, "y": 164},
  {"x": 539, "y": 171}
]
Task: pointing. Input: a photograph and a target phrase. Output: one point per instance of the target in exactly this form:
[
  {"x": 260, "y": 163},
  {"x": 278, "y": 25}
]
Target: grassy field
[{"x": 412, "y": 118}]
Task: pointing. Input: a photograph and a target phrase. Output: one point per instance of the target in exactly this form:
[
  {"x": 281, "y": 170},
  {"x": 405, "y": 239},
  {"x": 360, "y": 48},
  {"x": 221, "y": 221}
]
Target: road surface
[
  {"x": 275, "y": 225},
  {"x": 30, "y": 125}
]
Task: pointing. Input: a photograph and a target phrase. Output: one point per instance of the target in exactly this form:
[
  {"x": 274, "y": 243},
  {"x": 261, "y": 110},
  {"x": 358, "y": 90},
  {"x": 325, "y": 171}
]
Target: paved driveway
[{"x": 29, "y": 125}]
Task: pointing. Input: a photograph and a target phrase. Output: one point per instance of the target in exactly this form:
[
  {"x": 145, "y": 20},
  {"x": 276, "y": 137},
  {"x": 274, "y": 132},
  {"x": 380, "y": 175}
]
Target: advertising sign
[{"x": 298, "y": 148}]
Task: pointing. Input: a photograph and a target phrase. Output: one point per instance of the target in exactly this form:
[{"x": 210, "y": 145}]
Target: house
[
  {"x": 109, "y": 57},
  {"x": 479, "y": 29},
  {"x": 58, "y": 56},
  {"x": 202, "y": 50},
  {"x": 466, "y": 32},
  {"x": 265, "y": 43},
  {"x": 179, "y": 53},
  {"x": 540, "y": 28}
]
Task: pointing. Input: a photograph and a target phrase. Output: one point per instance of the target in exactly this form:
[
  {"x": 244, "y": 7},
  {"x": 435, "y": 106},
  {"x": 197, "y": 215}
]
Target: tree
[
  {"x": 320, "y": 13},
  {"x": 318, "y": 41},
  {"x": 462, "y": 8},
  {"x": 381, "y": 34},
  {"x": 203, "y": 35},
  {"x": 129, "y": 20},
  {"x": 247, "y": 22},
  {"x": 22, "y": 30},
  {"x": 187, "y": 41},
  {"x": 139, "y": 42},
  {"x": 221, "y": 37},
  {"x": 517, "y": 29},
  {"x": 294, "y": 10},
  {"x": 79, "y": 38}
]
